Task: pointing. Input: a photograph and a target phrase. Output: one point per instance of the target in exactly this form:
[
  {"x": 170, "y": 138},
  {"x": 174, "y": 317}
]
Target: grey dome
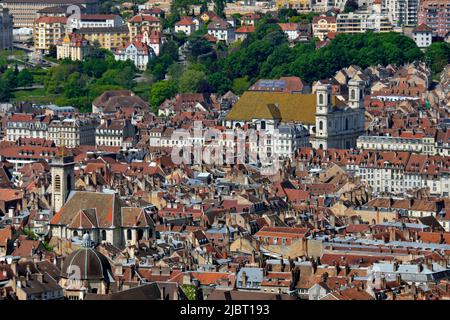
[{"x": 86, "y": 264}]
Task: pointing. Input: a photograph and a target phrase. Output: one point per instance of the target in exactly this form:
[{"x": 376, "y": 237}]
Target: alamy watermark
[{"x": 212, "y": 146}]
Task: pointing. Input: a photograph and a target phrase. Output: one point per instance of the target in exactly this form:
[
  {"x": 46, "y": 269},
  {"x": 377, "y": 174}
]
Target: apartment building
[
  {"x": 21, "y": 125},
  {"x": 399, "y": 172},
  {"x": 360, "y": 22},
  {"x": 401, "y": 12},
  {"x": 6, "y": 26},
  {"x": 436, "y": 15},
  {"x": 114, "y": 133},
  {"x": 108, "y": 38},
  {"x": 72, "y": 133},
  {"x": 424, "y": 145},
  {"x": 48, "y": 31},
  {"x": 142, "y": 25},
  {"x": 95, "y": 21},
  {"x": 24, "y": 12},
  {"x": 300, "y": 5},
  {"x": 73, "y": 47},
  {"x": 322, "y": 25}
]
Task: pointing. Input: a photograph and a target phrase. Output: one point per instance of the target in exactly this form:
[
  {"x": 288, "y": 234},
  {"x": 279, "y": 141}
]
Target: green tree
[
  {"x": 219, "y": 82},
  {"x": 175, "y": 71},
  {"x": 10, "y": 78},
  {"x": 75, "y": 85},
  {"x": 219, "y": 7},
  {"x": 190, "y": 80},
  {"x": 437, "y": 55},
  {"x": 240, "y": 85},
  {"x": 25, "y": 78},
  {"x": 161, "y": 91}
]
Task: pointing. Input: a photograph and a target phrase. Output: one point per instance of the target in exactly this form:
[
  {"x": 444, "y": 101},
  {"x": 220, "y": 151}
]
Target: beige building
[
  {"x": 24, "y": 12},
  {"x": 73, "y": 47},
  {"x": 362, "y": 21},
  {"x": 72, "y": 133},
  {"x": 142, "y": 26},
  {"x": 322, "y": 25},
  {"x": 6, "y": 26},
  {"x": 108, "y": 38},
  {"x": 47, "y": 32},
  {"x": 114, "y": 133}
]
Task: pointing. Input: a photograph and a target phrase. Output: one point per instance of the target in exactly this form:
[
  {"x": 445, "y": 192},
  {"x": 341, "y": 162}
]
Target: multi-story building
[
  {"x": 142, "y": 25},
  {"x": 6, "y": 26},
  {"x": 47, "y": 32},
  {"x": 399, "y": 172},
  {"x": 401, "y": 12},
  {"x": 155, "y": 41},
  {"x": 300, "y": 5},
  {"x": 221, "y": 30},
  {"x": 436, "y": 15},
  {"x": 24, "y": 12},
  {"x": 185, "y": 25},
  {"x": 94, "y": 21},
  {"x": 136, "y": 51},
  {"x": 73, "y": 47},
  {"x": 423, "y": 35},
  {"x": 425, "y": 145},
  {"x": 21, "y": 125},
  {"x": 107, "y": 38},
  {"x": 292, "y": 30},
  {"x": 322, "y": 25},
  {"x": 114, "y": 133},
  {"x": 283, "y": 140},
  {"x": 362, "y": 21},
  {"x": 72, "y": 133}
]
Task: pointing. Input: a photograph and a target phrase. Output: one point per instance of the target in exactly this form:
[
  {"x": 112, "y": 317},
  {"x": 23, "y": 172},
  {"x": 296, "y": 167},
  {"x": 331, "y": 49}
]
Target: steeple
[{"x": 62, "y": 171}]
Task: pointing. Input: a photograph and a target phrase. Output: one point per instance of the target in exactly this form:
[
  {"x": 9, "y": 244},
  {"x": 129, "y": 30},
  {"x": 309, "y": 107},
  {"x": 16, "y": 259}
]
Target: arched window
[
  {"x": 320, "y": 98},
  {"x": 140, "y": 234},
  {"x": 104, "y": 235},
  {"x": 352, "y": 94},
  {"x": 320, "y": 125},
  {"x": 346, "y": 124},
  {"x": 57, "y": 183},
  {"x": 75, "y": 233},
  {"x": 320, "y": 146},
  {"x": 128, "y": 234}
]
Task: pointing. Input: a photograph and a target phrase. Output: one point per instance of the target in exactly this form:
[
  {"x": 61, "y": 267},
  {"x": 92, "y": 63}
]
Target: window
[
  {"x": 128, "y": 234},
  {"x": 57, "y": 183},
  {"x": 320, "y": 125},
  {"x": 320, "y": 98},
  {"x": 103, "y": 235},
  {"x": 352, "y": 94}
]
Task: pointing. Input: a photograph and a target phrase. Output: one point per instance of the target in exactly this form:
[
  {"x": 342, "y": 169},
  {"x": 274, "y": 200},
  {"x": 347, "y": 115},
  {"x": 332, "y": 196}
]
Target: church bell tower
[{"x": 62, "y": 171}]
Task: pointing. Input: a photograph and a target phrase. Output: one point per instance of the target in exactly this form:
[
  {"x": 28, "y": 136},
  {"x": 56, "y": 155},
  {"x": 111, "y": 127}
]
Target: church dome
[{"x": 86, "y": 264}]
